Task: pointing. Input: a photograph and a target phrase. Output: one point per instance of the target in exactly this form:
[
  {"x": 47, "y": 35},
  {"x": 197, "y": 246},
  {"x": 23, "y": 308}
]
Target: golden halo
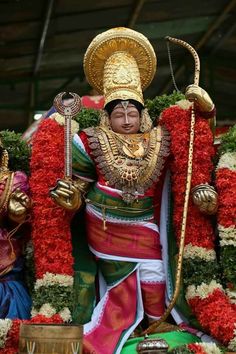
[{"x": 119, "y": 39}]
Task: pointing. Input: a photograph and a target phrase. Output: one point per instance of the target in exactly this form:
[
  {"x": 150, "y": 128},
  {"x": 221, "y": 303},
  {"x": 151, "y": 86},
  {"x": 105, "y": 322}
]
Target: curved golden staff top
[
  {"x": 194, "y": 54},
  {"x": 68, "y": 111},
  {"x": 153, "y": 327}
]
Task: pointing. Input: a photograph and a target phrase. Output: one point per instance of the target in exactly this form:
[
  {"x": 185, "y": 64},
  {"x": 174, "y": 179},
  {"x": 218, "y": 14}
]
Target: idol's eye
[
  {"x": 133, "y": 114},
  {"x": 118, "y": 115}
]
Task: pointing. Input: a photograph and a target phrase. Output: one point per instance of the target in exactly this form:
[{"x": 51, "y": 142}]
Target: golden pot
[{"x": 50, "y": 339}]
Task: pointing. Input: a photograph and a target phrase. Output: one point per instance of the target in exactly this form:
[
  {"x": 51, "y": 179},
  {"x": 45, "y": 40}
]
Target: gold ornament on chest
[
  {"x": 129, "y": 162},
  {"x": 133, "y": 145}
]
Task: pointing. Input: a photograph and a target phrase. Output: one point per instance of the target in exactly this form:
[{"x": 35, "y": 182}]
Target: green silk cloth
[{"x": 174, "y": 340}]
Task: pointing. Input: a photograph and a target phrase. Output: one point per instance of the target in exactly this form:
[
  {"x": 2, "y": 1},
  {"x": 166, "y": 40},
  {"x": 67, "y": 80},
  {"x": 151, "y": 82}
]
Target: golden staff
[
  {"x": 187, "y": 191},
  {"x": 68, "y": 111}
]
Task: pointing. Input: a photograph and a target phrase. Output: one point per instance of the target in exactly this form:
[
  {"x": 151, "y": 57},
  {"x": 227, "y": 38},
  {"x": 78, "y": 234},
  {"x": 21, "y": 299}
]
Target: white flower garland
[
  {"x": 65, "y": 314},
  {"x": 50, "y": 279},
  {"x": 191, "y": 251},
  {"x": 5, "y": 326},
  {"x": 203, "y": 290},
  {"x": 227, "y": 161},
  {"x": 48, "y": 311},
  {"x": 210, "y": 348},
  {"x": 227, "y": 235}
]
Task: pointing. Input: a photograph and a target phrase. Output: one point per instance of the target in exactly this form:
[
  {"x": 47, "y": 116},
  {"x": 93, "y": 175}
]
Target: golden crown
[{"x": 120, "y": 63}]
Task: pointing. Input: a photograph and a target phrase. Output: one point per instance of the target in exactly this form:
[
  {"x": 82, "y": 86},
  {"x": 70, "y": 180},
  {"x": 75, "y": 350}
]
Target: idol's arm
[{"x": 201, "y": 98}]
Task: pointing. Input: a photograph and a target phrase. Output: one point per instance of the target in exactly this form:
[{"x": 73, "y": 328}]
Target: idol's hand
[
  {"x": 66, "y": 195},
  {"x": 18, "y": 206},
  {"x": 205, "y": 198},
  {"x": 200, "y": 97}
]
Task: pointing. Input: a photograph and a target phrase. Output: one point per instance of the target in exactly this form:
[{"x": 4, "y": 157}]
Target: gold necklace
[
  {"x": 133, "y": 145},
  {"x": 120, "y": 164}
]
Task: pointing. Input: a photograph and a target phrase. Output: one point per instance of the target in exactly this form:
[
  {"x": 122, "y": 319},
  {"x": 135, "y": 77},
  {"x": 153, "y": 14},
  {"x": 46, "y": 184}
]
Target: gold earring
[{"x": 145, "y": 121}]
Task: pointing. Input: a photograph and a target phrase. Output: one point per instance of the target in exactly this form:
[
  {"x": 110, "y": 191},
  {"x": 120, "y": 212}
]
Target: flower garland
[
  {"x": 226, "y": 186},
  {"x": 9, "y": 340},
  {"x": 51, "y": 225},
  {"x": 52, "y": 296},
  {"x": 204, "y": 293},
  {"x": 197, "y": 348}
]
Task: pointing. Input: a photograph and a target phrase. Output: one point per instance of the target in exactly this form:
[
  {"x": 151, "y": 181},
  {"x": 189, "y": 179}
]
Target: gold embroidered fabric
[{"x": 130, "y": 162}]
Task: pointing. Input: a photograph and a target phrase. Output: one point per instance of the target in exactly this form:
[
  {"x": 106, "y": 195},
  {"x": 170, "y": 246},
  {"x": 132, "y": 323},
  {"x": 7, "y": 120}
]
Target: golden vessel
[{"x": 50, "y": 338}]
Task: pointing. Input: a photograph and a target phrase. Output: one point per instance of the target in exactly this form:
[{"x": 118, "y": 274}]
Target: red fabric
[
  {"x": 154, "y": 305},
  {"x": 125, "y": 240},
  {"x": 118, "y": 315}
]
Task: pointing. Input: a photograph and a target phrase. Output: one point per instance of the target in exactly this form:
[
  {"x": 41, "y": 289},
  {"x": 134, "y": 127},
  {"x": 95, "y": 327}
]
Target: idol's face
[{"x": 125, "y": 120}]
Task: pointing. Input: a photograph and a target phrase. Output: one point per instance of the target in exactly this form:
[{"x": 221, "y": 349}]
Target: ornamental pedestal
[{"x": 50, "y": 338}]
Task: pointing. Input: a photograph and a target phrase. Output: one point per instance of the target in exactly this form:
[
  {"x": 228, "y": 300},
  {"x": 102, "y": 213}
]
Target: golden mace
[{"x": 153, "y": 327}]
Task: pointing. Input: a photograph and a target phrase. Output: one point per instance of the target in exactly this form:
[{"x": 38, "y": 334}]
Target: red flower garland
[
  {"x": 226, "y": 186},
  {"x": 51, "y": 224},
  {"x": 215, "y": 313},
  {"x": 199, "y": 231}
]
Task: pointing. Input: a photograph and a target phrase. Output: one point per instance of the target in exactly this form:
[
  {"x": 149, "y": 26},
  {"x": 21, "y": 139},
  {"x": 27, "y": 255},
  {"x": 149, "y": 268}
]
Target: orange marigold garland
[{"x": 204, "y": 293}]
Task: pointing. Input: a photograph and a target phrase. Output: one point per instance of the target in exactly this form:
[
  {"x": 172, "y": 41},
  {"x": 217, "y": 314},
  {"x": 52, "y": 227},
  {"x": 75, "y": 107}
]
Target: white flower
[
  {"x": 228, "y": 243},
  {"x": 228, "y": 160},
  {"x": 65, "y": 314},
  {"x": 227, "y": 235},
  {"x": 50, "y": 279},
  {"x": 191, "y": 251},
  {"x": 5, "y": 326},
  {"x": 203, "y": 290},
  {"x": 34, "y": 312},
  {"x": 47, "y": 310},
  {"x": 210, "y": 348},
  {"x": 184, "y": 104}
]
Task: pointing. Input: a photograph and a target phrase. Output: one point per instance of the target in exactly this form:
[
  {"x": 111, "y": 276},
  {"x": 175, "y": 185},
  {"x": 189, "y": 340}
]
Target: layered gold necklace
[{"x": 129, "y": 162}]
